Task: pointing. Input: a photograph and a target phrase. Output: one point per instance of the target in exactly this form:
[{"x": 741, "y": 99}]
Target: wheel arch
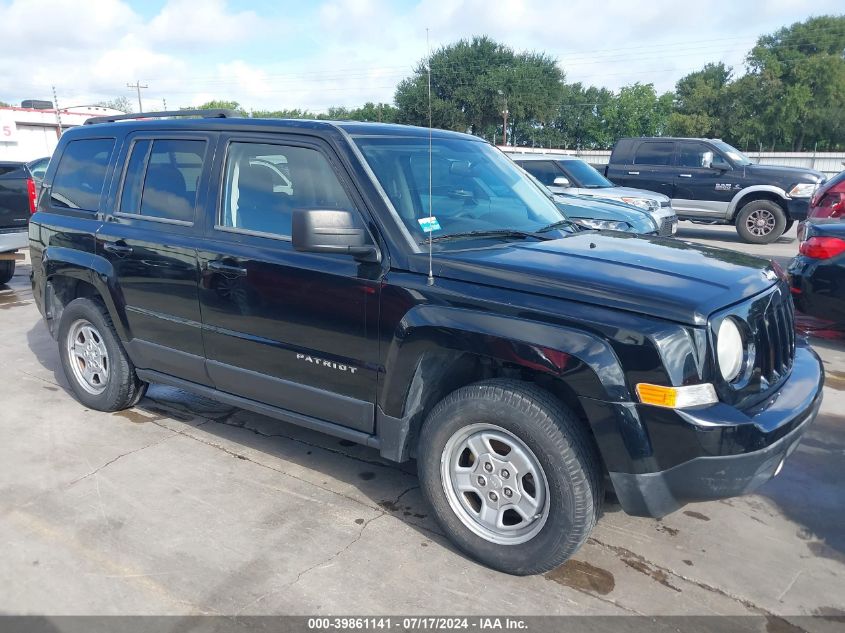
[
  {"x": 437, "y": 350},
  {"x": 757, "y": 192}
]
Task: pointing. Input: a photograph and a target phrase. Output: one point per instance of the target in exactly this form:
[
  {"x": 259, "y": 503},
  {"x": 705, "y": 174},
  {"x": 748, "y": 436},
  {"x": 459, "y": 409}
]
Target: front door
[
  {"x": 149, "y": 237},
  {"x": 292, "y": 330},
  {"x": 700, "y": 189}
]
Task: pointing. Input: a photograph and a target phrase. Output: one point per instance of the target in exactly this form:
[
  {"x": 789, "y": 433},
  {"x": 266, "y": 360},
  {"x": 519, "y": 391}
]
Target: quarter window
[
  {"x": 264, "y": 183},
  {"x": 162, "y": 178},
  {"x": 81, "y": 174},
  {"x": 654, "y": 154}
]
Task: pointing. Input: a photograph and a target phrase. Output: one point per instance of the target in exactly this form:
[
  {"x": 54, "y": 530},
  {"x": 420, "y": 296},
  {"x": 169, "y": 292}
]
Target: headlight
[
  {"x": 803, "y": 190},
  {"x": 603, "y": 225},
  {"x": 642, "y": 203},
  {"x": 730, "y": 349}
]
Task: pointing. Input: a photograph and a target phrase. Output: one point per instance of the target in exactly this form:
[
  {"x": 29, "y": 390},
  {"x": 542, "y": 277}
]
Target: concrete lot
[{"x": 183, "y": 505}]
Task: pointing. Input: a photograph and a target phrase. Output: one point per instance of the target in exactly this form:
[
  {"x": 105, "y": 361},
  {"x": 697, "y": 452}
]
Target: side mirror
[
  {"x": 331, "y": 231},
  {"x": 719, "y": 163},
  {"x": 561, "y": 181}
]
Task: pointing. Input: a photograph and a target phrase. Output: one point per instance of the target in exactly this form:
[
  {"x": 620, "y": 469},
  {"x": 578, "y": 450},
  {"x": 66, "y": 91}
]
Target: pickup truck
[
  {"x": 711, "y": 182},
  {"x": 18, "y": 193},
  {"x": 415, "y": 291}
]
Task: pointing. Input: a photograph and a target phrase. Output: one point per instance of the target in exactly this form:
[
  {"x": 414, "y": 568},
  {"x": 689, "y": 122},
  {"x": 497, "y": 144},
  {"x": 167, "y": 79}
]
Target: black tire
[
  {"x": 562, "y": 446},
  {"x": 761, "y": 210},
  {"x": 122, "y": 388},
  {"x": 7, "y": 270}
]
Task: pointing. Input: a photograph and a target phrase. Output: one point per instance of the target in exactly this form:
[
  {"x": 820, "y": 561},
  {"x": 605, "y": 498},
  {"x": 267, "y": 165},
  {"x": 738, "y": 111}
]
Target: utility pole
[
  {"x": 504, "y": 119},
  {"x": 137, "y": 85},
  {"x": 164, "y": 101},
  {"x": 58, "y": 116}
]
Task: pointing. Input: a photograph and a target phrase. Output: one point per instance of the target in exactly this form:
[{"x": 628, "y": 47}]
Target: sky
[{"x": 313, "y": 55}]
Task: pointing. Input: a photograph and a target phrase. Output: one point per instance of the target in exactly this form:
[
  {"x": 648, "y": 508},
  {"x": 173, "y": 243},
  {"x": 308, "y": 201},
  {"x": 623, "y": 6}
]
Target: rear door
[
  {"x": 700, "y": 189},
  {"x": 149, "y": 237},
  {"x": 293, "y": 330},
  {"x": 650, "y": 168}
]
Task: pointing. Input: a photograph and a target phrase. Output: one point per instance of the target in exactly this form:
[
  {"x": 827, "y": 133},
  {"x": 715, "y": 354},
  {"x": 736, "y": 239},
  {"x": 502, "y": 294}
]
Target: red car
[{"x": 827, "y": 204}]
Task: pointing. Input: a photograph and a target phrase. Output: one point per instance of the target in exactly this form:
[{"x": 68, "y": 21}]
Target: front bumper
[
  {"x": 726, "y": 452},
  {"x": 13, "y": 240},
  {"x": 798, "y": 208}
]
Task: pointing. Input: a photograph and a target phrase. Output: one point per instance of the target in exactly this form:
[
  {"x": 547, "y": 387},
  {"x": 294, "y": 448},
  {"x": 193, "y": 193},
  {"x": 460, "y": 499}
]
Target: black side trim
[
  {"x": 146, "y": 355},
  {"x": 286, "y": 394},
  {"x": 264, "y": 409}
]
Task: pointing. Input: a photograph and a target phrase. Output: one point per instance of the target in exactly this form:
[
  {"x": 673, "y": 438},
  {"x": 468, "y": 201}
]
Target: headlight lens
[
  {"x": 803, "y": 190},
  {"x": 603, "y": 225},
  {"x": 642, "y": 203},
  {"x": 730, "y": 349}
]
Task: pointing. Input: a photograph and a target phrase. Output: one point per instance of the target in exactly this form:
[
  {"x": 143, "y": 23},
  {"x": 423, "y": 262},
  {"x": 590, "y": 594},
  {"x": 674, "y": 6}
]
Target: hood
[
  {"x": 798, "y": 174},
  {"x": 616, "y": 193},
  {"x": 575, "y": 207},
  {"x": 664, "y": 278}
]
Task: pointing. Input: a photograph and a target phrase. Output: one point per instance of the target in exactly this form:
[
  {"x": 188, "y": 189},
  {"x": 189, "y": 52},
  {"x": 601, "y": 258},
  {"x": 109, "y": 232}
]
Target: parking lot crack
[{"x": 119, "y": 457}]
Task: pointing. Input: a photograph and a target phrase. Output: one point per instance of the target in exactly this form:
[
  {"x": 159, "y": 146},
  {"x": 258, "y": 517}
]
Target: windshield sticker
[{"x": 429, "y": 225}]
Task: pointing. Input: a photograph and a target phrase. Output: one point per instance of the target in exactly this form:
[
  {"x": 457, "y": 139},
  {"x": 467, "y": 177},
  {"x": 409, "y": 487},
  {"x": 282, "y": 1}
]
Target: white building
[{"x": 27, "y": 133}]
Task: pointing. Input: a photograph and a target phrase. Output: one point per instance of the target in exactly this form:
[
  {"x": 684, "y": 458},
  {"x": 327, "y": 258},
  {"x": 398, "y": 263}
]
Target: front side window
[
  {"x": 694, "y": 155},
  {"x": 543, "y": 170},
  {"x": 162, "y": 177},
  {"x": 81, "y": 174},
  {"x": 264, "y": 183},
  {"x": 474, "y": 187},
  {"x": 654, "y": 154},
  {"x": 584, "y": 175}
]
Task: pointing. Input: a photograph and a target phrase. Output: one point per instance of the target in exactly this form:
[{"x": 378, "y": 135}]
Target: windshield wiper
[{"x": 490, "y": 233}]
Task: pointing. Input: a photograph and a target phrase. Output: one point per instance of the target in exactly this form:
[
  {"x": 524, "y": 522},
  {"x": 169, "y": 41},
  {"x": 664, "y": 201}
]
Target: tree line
[{"x": 791, "y": 97}]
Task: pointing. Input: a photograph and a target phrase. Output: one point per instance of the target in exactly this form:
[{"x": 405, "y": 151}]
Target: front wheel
[
  {"x": 761, "y": 222},
  {"x": 512, "y": 475}
]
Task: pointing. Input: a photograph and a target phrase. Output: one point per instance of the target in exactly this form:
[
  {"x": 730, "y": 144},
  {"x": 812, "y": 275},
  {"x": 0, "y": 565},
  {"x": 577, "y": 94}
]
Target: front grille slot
[
  {"x": 665, "y": 227},
  {"x": 775, "y": 338}
]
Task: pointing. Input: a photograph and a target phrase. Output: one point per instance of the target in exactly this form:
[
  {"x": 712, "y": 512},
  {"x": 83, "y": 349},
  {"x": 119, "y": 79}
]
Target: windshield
[
  {"x": 733, "y": 153},
  {"x": 584, "y": 175},
  {"x": 474, "y": 187}
]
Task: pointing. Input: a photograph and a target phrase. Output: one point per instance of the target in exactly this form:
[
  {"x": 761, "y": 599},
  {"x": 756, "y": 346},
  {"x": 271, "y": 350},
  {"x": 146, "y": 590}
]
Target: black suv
[
  {"x": 284, "y": 267},
  {"x": 711, "y": 182}
]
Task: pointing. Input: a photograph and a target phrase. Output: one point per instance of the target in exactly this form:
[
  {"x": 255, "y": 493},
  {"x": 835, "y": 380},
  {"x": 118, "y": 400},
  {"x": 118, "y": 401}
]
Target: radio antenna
[{"x": 430, "y": 216}]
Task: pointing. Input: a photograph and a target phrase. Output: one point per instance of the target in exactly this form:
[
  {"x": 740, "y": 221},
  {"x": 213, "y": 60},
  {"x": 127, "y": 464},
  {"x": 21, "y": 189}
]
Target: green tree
[
  {"x": 700, "y": 104},
  {"x": 124, "y": 104},
  {"x": 471, "y": 83},
  {"x": 637, "y": 111},
  {"x": 220, "y": 105}
]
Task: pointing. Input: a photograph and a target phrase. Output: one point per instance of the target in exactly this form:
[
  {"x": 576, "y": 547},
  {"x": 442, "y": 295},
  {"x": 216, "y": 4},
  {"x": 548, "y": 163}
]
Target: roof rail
[{"x": 205, "y": 114}]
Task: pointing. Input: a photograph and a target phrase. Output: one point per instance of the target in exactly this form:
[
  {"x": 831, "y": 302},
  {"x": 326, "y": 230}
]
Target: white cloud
[{"x": 346, "y": 52}]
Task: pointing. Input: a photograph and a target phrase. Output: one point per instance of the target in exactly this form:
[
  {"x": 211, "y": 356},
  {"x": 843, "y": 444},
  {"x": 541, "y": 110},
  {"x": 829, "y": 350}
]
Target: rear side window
[
  {"x": 81, "y": 174},
  {"x": 654, "y": 153},
  {"x": 264, "y": 183},
  {"x": 162, "y": 177},
  {"x": 544, "y": 171}
]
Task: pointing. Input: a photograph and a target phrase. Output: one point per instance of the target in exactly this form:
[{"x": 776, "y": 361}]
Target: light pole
[{"x": 504, "y": 118}]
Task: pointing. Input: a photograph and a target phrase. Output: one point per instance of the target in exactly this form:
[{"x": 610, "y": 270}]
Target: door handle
[
  {"x": 117, "y": 248},
  {"x": 226, "y": 270},
  {"x": 633, "y": 173},
  {"x": 685, "y": 175}
]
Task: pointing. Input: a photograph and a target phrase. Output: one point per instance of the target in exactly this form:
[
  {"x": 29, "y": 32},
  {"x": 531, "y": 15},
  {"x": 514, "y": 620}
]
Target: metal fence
[{"x": 829, "y": 163}]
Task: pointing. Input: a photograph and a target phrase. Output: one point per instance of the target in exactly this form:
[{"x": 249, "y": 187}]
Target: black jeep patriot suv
[{"x": 284, "y": 267}]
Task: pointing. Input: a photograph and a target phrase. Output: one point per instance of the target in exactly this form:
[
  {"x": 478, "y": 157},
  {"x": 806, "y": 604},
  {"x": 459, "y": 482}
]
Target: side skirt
[{"x": 264, "y": 409}]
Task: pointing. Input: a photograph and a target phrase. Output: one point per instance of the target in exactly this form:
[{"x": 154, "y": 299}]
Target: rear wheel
[
  {"x": 7, "y": 270},
  {"x": 512, "y": 475},
  {"x": 761, "y": 222},
  {"x": 95, "y": 363}
]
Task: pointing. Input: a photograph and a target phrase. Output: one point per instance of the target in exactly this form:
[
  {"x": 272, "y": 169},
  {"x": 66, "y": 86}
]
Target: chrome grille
[{"x": 666, "y": 227}]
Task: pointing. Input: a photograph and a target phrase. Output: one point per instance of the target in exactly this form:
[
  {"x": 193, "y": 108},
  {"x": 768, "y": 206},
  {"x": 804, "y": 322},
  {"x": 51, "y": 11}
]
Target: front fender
[
  {"x": 735, "y": 201},
  {"x": 583, "y": 360}
]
